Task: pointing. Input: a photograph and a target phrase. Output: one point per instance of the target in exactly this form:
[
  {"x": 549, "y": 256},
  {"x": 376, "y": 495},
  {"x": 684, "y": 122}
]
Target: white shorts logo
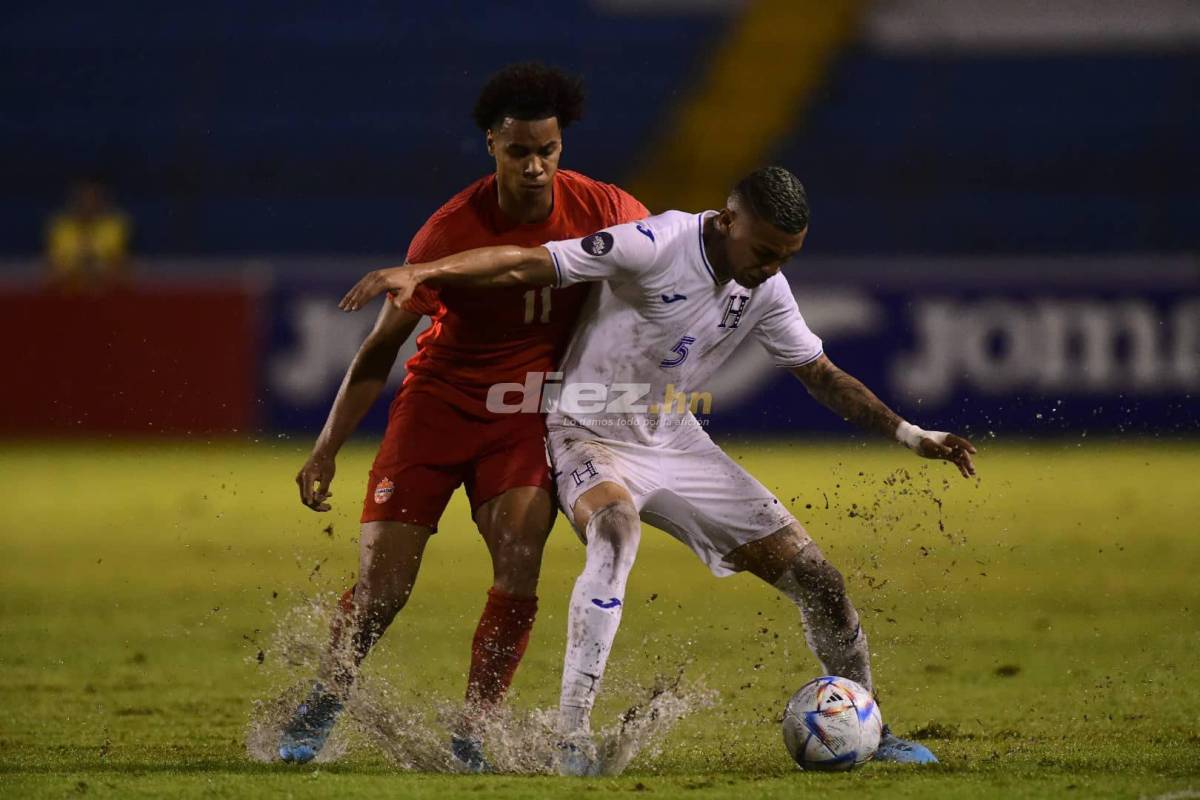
[{"x": 585, "y": 473}]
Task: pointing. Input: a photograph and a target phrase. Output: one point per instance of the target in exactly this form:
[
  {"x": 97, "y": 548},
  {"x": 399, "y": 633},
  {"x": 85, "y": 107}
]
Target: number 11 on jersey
[{"x": 531, "y": 305}]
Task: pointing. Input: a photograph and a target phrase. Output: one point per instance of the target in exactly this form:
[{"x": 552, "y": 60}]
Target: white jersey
[{"x": 659, "y": 326}]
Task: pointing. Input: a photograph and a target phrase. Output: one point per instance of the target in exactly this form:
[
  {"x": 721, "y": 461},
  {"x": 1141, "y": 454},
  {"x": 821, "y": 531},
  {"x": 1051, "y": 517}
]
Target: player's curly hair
[
  {"x": 776, "y": 196},
  {"x": 530, "y": 90}
]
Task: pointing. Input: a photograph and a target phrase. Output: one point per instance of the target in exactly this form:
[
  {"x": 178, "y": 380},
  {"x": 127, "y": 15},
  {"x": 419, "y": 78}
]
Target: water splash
[
  {"x": 644, "y": 726},
  {"x": 411, "y": 737},
  {"x": 268, "y": 716},
  {"x": 296, "y": 654},
  {"x": 516, "y": 741},
  {"x": 414, "y": 735}
]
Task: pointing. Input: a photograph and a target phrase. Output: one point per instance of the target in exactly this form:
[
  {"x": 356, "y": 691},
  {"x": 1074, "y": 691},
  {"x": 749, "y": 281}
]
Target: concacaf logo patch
[
  {"x": 384, "y": 490},
  {"x": 597, "y": 244}
]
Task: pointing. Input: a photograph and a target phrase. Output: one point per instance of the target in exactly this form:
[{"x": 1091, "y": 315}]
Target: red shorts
[{"x": 432, "y": 445}]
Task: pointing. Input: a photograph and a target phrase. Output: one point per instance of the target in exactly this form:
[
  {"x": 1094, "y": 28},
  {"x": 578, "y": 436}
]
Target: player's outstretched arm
[
  {"x": 365, "y": 379},
  {"x": 847, "y": 397},
  {"x": 483, "y": 267}
]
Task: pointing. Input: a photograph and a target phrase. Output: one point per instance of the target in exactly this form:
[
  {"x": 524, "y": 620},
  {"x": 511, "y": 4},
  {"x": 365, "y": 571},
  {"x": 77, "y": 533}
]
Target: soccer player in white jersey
[{"x": 677, "y": 293}]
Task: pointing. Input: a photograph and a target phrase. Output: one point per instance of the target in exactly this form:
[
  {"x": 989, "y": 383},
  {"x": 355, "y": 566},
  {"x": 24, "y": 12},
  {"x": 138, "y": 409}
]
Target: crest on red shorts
[{"x": 383, "y": 491}]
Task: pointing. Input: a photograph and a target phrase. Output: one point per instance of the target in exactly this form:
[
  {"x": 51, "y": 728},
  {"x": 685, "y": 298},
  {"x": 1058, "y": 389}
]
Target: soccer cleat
[
  {"x": 900, "y": 751},
  {"x": 468, "y": 754},
  {"x": 576, "y": 759},
  {"x": 305, "y": 735}
]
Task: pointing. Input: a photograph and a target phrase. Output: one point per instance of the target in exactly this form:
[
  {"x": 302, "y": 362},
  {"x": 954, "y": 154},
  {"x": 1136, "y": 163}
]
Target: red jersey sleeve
[
  {"x": 625, "y": 207},
  {"x": 426, "y": 245},
  {"x": 424, "y": 301}
]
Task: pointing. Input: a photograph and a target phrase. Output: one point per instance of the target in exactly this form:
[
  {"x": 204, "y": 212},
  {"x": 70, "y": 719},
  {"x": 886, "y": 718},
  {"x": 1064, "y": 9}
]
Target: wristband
[{"x": 911, "y": 435}]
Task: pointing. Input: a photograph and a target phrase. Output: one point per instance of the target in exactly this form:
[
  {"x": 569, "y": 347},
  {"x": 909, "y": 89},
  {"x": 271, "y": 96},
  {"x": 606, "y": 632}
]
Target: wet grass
[{"x": 1038, "y": 629}]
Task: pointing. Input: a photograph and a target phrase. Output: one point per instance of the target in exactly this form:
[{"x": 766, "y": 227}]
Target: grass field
[{"x": 1037, "y": 629}]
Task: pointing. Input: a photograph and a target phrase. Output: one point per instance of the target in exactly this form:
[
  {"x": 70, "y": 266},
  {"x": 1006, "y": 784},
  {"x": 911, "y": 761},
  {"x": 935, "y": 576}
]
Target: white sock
[
  {"x": 595, "y": 614},
  {"x": 832, "y": 630}
]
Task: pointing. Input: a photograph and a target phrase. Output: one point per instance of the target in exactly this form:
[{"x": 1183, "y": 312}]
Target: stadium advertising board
[
  {"x": 1065, "y": 346},
  {"x": 179, "y": 359}
]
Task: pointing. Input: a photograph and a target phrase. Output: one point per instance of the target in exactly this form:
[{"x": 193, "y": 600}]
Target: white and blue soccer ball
[{"x": 832, "y": 723}]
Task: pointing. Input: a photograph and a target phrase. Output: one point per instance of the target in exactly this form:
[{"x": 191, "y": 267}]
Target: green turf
[{"x": 1038, "y": 629}]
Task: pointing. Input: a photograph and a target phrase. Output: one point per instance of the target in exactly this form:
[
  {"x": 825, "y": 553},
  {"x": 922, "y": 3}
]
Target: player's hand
[
  {"x": 954, "y": 449},
  {"x": 314, "y": 479},
  {"x": 400, "y": 281}
]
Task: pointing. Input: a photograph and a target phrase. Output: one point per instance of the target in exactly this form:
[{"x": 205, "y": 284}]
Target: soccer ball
[{"x": 831, "y": 724}]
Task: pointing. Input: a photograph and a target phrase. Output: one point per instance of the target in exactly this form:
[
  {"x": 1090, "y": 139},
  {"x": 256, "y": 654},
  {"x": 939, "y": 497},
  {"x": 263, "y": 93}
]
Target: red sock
[
  {"x": 500, "y": 641},
  {"x": 345, "y": 608},
  {"x": 346, "y": 601}
]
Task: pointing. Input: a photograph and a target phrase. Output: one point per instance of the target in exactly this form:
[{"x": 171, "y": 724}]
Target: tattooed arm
[{"x": 847, "y": 397}]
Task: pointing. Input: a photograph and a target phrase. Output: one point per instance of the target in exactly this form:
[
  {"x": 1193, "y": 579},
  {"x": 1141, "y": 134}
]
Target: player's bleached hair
[
  {"x": 776, "y": 196},
  {"x": 530, "y": 90}
]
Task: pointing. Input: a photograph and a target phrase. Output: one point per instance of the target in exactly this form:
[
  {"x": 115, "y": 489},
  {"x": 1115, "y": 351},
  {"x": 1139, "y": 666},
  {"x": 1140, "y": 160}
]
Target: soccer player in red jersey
[{"x": 440, "y": 433}]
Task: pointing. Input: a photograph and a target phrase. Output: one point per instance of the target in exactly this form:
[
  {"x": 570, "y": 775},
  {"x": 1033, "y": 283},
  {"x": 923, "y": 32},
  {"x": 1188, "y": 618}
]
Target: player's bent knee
[
  {"x": 773, "y": 555},
  {"x": 520, "y": 542},
  {"x": 820, "y": 576},
  {"x": 616, "y": 524},
  {"x": 603, "y": 494},
  {"x": 505, "y": 529},
  {"x": 612, "y": 538}
]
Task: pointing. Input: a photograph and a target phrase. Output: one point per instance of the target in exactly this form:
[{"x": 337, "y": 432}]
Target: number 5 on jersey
[
  {"x": 531, "y": 305},
  {"x": 681, "y": 349}
]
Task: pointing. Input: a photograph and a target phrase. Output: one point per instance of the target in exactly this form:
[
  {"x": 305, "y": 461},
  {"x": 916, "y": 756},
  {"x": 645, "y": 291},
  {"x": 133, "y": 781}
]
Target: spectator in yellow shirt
[{"x": 87, "y": 243}]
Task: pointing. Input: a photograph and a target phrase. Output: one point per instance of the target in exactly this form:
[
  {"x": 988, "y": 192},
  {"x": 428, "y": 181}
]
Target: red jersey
[{"x": 481, "y": 337}]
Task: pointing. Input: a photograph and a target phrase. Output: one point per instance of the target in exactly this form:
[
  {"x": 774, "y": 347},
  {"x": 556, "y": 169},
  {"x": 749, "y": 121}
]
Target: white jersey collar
[{"x": 703, "y": 215}]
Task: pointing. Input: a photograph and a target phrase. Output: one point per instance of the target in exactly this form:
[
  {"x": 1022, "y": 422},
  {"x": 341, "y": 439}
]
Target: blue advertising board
[{"x": 988, "y": 347}]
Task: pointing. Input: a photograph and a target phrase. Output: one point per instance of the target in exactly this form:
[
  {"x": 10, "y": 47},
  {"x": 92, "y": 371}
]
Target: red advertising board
[{"x": 151, "y": 360}]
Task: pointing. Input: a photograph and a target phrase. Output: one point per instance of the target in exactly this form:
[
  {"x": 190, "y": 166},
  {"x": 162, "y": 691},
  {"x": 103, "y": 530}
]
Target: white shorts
[{"x": 697, "y": 494}]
